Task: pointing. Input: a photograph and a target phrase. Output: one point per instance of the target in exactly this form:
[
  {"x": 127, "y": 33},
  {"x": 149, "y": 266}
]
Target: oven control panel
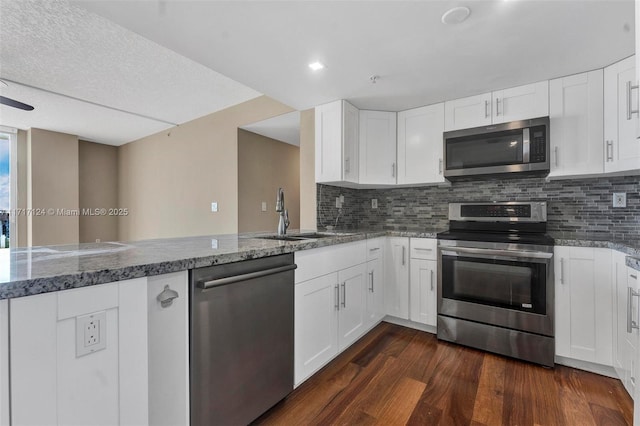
[{"x": 505, "y": 211}]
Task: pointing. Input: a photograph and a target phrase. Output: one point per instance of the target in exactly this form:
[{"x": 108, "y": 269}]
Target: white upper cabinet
[
  {"x": 377, "y": 148},
  {"x": 521, "y": 103},
  {"x": 474, "y": 111},
  {"x": 621, "y": 148},
  {"x": 336, "y": 136},
  {"x": 576, "y": 124},
  {"x": 420, "y": 145},
  {"x": 516, "y": 103}
]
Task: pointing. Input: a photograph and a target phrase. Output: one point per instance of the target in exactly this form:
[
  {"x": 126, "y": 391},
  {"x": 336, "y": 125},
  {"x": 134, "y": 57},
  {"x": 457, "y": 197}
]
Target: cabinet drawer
[
  {"x": 325, "y": 260},
  {"x": 424, "y": 248},
  {"x": 374, "y": 248}
]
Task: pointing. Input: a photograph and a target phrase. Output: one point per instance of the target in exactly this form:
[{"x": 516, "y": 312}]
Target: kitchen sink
[{"x": 302, "y": 237}]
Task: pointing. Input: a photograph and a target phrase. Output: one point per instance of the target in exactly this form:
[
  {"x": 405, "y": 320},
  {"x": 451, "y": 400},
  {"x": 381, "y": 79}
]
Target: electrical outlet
[
  {"x": 214, "y": 243},
  {"x": 91, "y": 333},
  {"x": 374, "y": 203},
  {"x": 338, "y": 203},
  {"x": 619, "y": 199},
  {"x": 214, "y": 207}
]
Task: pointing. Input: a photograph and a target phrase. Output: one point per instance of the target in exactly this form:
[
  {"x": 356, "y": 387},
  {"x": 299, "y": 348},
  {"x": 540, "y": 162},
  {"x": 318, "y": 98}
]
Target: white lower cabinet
[
  {"x": 330, "y": 304},
  {"x": 54, "y": 382},
  {"x": 4, "y": 363},
  {"x": 396, "y": 267},
  {"x": 423, "y": 281},
  {"x": 316, "y": 324},
  {"x": 626, "y": 322},
  {"x": 375, "y": 281},
  {"x": 584, "y": 304},
  {"x": 168, "y": 349}
]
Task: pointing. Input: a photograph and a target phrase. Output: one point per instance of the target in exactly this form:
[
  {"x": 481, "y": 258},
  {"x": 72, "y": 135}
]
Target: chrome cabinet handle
[
  {"x": 393, "y": 170},
  {"x": 337, "y": 305},
  {"x": 422, "y": 248},
  {"x": 635, "y": 277},
  {"x": 561, "y": 271},
  {"x": 440, "y": 166},
  {"x": 432, "y": 280},
  {"x": 630, "y": 109},
  {"x": 487, "y": 113},
  {"x": 609, "y": 152},
  {"x": 403, "y": 255},
  {"x": 631, "y": 324},
  {"x": 166, "y": 297},
  {"x": 556, "y": 152},
  {"x": 374, "y": 249},
  {"x": 371, "y": 281},
  {"x": 344, "y": 294},
  {"x": 497, "y": 107}
]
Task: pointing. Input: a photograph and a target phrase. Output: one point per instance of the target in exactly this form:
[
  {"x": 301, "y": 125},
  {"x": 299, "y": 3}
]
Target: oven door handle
[{"x": 513, "y": 254}]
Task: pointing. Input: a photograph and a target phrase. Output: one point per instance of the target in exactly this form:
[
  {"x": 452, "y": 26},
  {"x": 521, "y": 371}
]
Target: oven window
[
  {"x": 506, "y": 284},
  {"x": 487, "y": 150}
]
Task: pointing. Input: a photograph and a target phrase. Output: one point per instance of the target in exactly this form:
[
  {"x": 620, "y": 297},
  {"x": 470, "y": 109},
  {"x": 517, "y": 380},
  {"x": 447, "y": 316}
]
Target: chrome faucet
[{"x": 283, "y": 224}]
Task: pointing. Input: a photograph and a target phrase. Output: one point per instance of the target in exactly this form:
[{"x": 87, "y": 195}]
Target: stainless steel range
[{"x": 495, "y": 280}]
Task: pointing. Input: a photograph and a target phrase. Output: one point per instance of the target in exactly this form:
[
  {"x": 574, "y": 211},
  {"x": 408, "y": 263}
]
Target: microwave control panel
[{"x": 538, "y": 145}]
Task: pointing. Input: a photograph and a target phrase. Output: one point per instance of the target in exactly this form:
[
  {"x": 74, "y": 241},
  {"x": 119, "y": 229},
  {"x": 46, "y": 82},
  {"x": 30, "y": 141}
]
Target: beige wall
[
  {"x": 168, "y": 180},
  {"x": 307, "y": 170},
  {"x": 264, "y": 165},
  {"x": 52, "y": 183},
  {"x": 21, "y": 174},
  {"x": 98, "y": 175}
]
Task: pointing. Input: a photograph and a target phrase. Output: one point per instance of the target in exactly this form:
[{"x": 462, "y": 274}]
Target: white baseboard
[
  {"x": 410, "y": 324},
  {"x": 603, "y": 370}
]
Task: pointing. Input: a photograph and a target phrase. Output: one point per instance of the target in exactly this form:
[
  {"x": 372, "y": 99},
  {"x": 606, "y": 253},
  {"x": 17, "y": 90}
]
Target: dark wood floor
[{"x": 395, "y": 375}]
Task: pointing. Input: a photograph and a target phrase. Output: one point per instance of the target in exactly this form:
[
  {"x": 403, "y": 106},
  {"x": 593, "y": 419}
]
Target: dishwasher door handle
[{"x": 245, "y": 277}]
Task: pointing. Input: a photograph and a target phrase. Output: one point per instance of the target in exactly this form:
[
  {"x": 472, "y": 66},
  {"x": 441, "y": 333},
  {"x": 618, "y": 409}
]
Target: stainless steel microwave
[{"x": 500, "y": 149}]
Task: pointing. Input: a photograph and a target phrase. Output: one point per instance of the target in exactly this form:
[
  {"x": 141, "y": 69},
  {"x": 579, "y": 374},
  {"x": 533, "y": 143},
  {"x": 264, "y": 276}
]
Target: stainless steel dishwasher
[{"x": 241, "y": 339}]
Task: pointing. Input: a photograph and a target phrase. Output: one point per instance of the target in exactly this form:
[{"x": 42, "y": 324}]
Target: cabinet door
[
  {"x": 422, "y": 292},
  {"x": 584, "y": 305},
  {"x": 621, "y": 148},
  {"x": 316, "y": 324},
  {"x": 420, "y": 145},
  {"x": 632, "y": 336},
  {"x": 377, "y": 147},
  {"x": 328, "y": 132},
  {"x": 621, "y": 355},
  {"x": 375, "y": 291},
  {"x": 351, "y": 142},
  {"x": 576, "y": 115},
  {"x": 396, "y": 284},
  {"x": 4, "y": 363},
  {"x": 465, "y": 113},
  {"x": 521, "y": 103},
  {"x": 351, "y": 314}
]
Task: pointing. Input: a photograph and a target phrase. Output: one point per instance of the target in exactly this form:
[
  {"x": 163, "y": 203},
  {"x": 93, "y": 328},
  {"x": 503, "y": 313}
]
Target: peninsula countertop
[{"x": 35, "y": 270}]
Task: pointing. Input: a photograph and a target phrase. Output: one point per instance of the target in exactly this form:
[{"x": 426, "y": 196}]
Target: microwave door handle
[{"x": 525, "y": 145}]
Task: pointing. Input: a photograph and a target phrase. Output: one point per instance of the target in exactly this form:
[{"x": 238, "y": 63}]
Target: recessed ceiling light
[
  {"x": 456, "y": 15},
  {"x": 316, "y": 66}
]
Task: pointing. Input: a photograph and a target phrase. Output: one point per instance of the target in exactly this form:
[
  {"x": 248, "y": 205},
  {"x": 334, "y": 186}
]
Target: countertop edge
[{"x": 29, "y": 287}]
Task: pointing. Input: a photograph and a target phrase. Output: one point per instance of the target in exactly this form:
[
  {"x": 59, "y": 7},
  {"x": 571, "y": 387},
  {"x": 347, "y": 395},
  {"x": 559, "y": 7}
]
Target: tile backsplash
[{"x": 575, "y": 208}]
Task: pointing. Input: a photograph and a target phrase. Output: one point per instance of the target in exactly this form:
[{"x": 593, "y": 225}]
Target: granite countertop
[{"x": 29, "y": 271}]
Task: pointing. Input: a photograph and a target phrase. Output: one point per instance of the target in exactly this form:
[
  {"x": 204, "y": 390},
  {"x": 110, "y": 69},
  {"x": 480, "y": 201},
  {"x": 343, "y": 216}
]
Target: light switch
[
  {"x": 264, "y": 206},
  {"x": 214, "y": 207}
]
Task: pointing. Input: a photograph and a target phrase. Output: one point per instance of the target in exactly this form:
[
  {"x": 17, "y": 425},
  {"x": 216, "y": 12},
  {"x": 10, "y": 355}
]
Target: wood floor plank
[
  {"x": 490, "y": 395},
  {"x": 401, "y": 402},
  {"x": 399, "y": 376}
]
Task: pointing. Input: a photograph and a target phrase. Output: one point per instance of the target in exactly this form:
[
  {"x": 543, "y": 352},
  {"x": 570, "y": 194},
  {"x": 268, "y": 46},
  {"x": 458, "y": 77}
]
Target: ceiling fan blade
[{"x": 13, "y": 103}]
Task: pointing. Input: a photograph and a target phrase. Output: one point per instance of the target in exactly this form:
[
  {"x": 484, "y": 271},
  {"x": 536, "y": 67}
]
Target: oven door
[{"x": 506, "y": 288}]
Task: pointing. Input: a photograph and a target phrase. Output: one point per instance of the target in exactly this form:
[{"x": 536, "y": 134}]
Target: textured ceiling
[
  {"x": 268, "y": 44},
  {"x": 65, "y": 49}
]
